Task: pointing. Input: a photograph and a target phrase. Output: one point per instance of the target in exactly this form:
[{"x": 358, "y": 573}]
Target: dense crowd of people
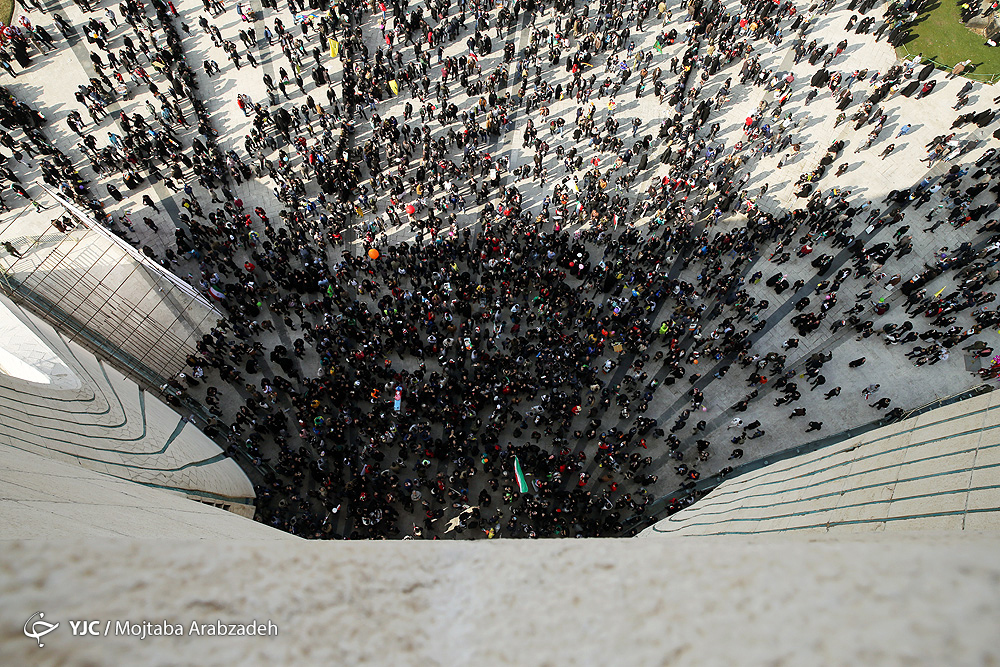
[{"x": 386, "y": 389}]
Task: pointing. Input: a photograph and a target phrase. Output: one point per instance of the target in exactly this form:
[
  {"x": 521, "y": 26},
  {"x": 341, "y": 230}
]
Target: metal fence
[
  {"x": 974, "y": 76},
  {"x": 77, "y": 332},
  {"x": 98, "y": 290},
  {"x": 85, "y": 286}
]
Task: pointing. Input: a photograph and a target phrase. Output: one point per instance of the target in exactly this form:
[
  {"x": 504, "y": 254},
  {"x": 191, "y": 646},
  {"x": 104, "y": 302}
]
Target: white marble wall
[
  {"x": 46, "y": 499},
  {"x": 92, "y": 416}
]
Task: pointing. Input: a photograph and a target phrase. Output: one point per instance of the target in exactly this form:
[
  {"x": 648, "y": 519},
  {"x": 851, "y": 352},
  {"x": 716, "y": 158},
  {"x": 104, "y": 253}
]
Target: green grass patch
[
  {"x": 942, "y": 37},
  {"x": 6, "y": 11}
]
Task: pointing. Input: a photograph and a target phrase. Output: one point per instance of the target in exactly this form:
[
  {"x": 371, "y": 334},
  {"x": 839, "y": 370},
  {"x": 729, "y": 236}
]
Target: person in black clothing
[{"x": 9, "y": 247}]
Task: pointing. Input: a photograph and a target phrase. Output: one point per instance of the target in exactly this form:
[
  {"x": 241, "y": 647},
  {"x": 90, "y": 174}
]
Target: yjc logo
[
  {"x": 83, "y": 628},
  {"x": 39, "y": 628}
]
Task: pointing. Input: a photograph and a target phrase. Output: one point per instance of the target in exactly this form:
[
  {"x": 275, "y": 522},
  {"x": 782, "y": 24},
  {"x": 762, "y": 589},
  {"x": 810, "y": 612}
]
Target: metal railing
[
  {"x": 984, "y": 78},
  {"x": 66, "y": 324},
  {"x": 140, "y": 259}
]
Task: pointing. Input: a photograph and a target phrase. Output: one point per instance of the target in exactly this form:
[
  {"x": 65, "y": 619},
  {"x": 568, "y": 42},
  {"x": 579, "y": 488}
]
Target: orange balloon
[{"x": 373, "y": 253}]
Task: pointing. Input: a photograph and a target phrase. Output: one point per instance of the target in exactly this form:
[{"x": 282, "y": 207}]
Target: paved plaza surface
[{"x": 52, "y": 78}]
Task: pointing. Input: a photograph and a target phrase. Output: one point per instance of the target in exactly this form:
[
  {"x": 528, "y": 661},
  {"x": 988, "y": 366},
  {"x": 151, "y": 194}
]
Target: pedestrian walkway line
[
  {"x": 264, "y": 50},
  {"x": 82, "y": 53},
  {"x": 513, "y": 80}
]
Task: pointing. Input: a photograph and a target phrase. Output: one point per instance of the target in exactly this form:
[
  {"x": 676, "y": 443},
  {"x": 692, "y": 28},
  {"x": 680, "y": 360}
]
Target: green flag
[{"x": 521, "y": 481}]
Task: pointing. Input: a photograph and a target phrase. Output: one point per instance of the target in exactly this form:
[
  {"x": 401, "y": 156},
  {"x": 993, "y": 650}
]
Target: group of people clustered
[{"x": 418, "y": 371}]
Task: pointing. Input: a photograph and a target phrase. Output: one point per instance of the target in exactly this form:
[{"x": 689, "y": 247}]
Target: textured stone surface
[
  {"x": 52, "y": 78},
  {"x": 890, "y": 599},
  {"x": 42, "y": 499}
]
